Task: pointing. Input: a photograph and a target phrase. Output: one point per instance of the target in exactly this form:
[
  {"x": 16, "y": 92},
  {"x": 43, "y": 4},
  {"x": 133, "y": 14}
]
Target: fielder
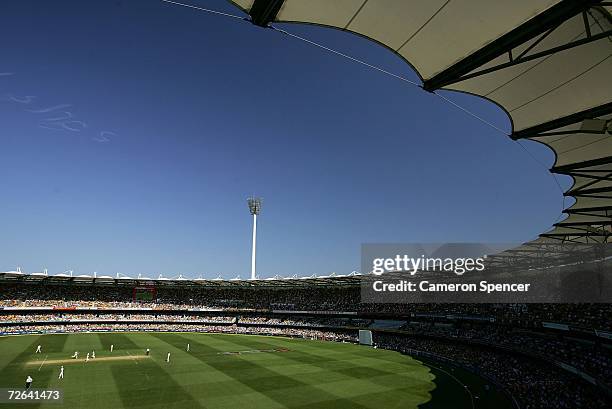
[
  {"x": 28, "y": 382},
  {"x": 168, "y": 357},
  {"x": 148, "y": 351},
  {"x": 61, "y": 375},
  {"x": 87, "y": 357},
  {"x": 75, "y": 355},
  {"x": 93, "y": 354},
  {"x": 187, "y": 347},
  {"x": 112, "y": 346},
  {"x": 38, "y": 349}
]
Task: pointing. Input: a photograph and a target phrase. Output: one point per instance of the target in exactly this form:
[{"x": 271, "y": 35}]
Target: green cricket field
[{"x": 226, "y": 371}]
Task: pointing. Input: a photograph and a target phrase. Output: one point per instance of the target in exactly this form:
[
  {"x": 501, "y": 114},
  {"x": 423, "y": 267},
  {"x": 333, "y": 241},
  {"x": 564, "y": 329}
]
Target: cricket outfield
[{"x": 231, "y": 371}]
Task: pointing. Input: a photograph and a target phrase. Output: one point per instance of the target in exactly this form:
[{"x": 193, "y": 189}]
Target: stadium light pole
[{"x": 254, "y": 207}]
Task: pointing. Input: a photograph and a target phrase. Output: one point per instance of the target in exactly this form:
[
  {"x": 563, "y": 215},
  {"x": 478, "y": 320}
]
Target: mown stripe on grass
[
  {"x": 149, "y": 386},
  {"x": 285, "y": 390},
  {"x": 84, "y": 343},
  {"x": 329, "y": 363},
  {"x": 414, "y": 386},
  {"x": 209, "y": 385},
  {"x": 17, "y": 372},
  {"x": 118, "y": 340},
  {"x": 26, "y": 352},
  {"x": 409, "y": 377}
]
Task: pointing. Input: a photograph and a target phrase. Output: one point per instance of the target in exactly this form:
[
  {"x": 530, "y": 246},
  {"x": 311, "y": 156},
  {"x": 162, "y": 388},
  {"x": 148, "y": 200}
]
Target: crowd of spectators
[
  {"x": 128, "y": 316},
  {"x": 61, "y": 317},
  {"x": 346, "y": 299},
  {"x": 588, "y": 356},
  {"x": 313, "y": 334},
  {"x": 535, "y": 384}
]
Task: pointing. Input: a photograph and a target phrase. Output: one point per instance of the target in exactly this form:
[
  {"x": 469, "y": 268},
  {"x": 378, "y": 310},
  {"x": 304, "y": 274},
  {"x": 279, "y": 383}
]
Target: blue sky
[{"x": 172, "y": 117}]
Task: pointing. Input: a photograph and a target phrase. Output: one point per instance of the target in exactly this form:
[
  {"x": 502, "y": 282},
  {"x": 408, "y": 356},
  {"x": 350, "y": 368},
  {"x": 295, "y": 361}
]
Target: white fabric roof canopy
[{"x": 547, "y": 63}]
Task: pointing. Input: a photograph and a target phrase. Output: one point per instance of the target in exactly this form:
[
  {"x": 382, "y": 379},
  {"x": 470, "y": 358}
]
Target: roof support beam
[
  {"x": 562, "y": 133},
  {"x": 590, "y": 209},
  {"x": 577, "y": 234},
  {"x": 539, "y": 24},
  {"x": 564, "y": 239},
  {"x": 588, "y": 192},
  {"x": 535, "y": 56},
  {"x": 576, "y": 224},
  {"x": 263, "y": 12},
  {"x": 594, "y": 177},
  {"x": 535, "y": 131},
  {"x": 582, "y": 166}
]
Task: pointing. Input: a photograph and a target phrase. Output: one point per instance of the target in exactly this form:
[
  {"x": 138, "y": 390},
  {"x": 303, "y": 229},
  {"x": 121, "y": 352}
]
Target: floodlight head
[{"x": 254, "y": 205}]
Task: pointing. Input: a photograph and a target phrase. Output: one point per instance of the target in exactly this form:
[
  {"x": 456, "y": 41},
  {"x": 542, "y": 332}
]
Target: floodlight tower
[{"x": 254, "y": 207}]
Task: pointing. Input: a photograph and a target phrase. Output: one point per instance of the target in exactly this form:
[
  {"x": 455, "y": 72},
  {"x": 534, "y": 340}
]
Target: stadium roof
[
  {"x": 546, "y": 63},
  {"x": 332, "y": 280}
]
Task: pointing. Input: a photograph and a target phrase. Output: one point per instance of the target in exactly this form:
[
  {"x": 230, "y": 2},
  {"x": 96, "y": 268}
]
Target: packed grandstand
[{"x": 543, "y": 355}]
